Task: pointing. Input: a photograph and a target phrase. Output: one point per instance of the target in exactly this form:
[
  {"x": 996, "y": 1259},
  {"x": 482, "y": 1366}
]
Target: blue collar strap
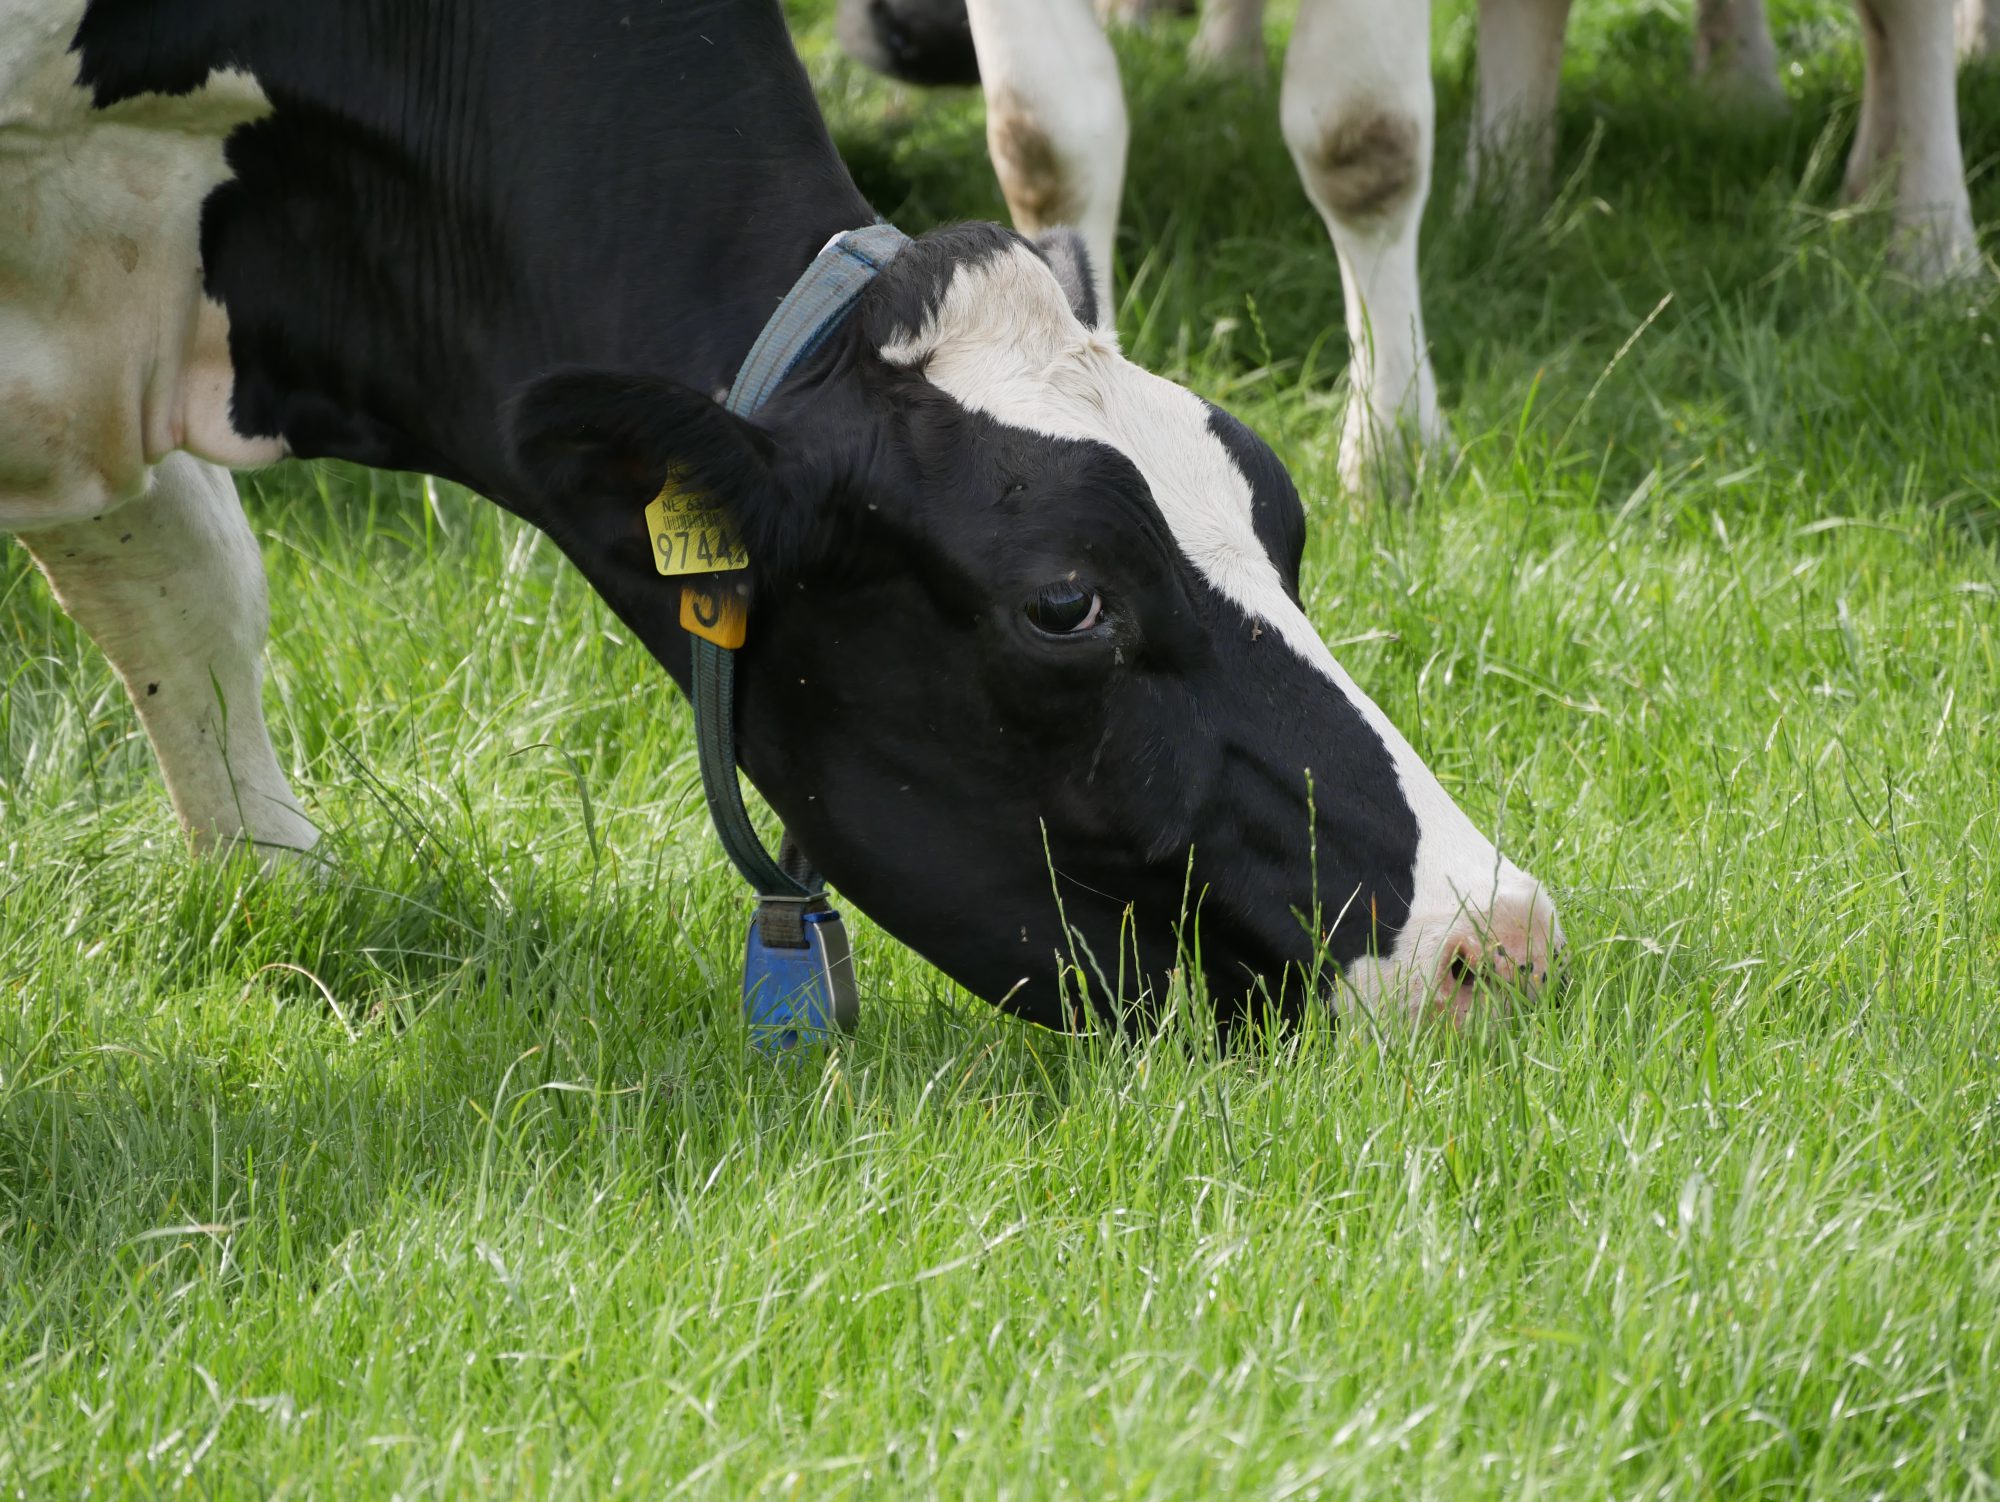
[{"x": 815, "y": 306}]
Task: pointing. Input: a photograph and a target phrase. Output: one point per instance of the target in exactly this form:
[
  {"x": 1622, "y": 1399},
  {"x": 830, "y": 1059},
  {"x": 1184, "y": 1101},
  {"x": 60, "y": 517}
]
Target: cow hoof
[
  {"x": 1939, "y": 256},
  {"x": 272, "y": 858},
  {"x": 1744, "y": 90}
]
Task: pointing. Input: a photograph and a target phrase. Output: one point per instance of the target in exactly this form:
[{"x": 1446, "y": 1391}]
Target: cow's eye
[{"x": 1065, "y": 608}]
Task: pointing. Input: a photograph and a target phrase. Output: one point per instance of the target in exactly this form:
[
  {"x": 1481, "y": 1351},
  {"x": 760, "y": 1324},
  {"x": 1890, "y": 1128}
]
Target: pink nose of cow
[{"x": 1499, "y": 958}]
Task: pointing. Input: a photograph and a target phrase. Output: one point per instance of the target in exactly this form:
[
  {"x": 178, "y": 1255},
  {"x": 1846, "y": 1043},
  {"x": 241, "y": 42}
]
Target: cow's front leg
[
  {"x": 1511, "y": 149},
  {"x": 1231, "y": 36},
  {"x": 1359, "y": 118},
  {"x": 1908, "y": 135},
  {"x": 171, "y": 588},
  {"x": 1139, "y": 12},
  {"x": 1055, "y": 120},
  {"x": 1734, "y": 56}
]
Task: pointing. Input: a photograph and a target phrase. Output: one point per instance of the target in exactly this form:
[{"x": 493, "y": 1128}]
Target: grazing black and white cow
[
  {"x": 1025, "y": 625},
  {"x": 1358, "y": 114}
]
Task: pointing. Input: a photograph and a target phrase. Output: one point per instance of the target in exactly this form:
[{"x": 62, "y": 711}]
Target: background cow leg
[
  {"x": 1055, "y": 119},
  {"x": 1512, "y": 145},
  {"x": 1908, "y": 135},
  {"x": 1359, "y": 117},
  {"x": 1231, "y": 36},
  {"x": 1978, "y": 28},
  {"x": 1868, "y": 160},
  {"x": 1734, "y": 55},
  {"x": 1138, "y": 12},
  {"x": 171, "y": 588}
]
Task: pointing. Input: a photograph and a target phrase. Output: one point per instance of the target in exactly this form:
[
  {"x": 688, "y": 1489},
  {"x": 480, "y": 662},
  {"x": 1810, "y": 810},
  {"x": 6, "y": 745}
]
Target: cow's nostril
[
  {"x": 1494, "y": 960},
  {"x": 1480, "y": 970}
]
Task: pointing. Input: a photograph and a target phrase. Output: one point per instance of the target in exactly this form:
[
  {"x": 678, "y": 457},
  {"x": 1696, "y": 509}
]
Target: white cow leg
[
  {"x": 1139, "y": 12},
  {"x": 1978, "y": 28},
  {"x": 1908, "y": 134},
  {"x": 171, "y": 588},
  {"x": 1359, "y": 118},
  {"x": 1231, "y": 36},
  {"x": 1734, "y": 56},
  {"x": 1511, "y": 149},
  {"x": 1055, "y": 120},
  {"x": 1869, "y": 159}
]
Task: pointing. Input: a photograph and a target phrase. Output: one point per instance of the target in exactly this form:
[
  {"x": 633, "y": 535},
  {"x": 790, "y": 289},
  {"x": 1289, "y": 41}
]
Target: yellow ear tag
[
  {"x": 716, "y": 612},
  {"x": 690, "y": 533}
]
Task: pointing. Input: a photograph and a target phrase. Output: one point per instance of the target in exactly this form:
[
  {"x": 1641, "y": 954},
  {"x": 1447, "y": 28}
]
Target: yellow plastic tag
[
  {"x": 716, "y": 612},
  {"x": 691, "y": 535}
]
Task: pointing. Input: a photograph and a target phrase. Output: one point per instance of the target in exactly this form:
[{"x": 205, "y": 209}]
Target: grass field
[{"x": 1711, "y": 633}]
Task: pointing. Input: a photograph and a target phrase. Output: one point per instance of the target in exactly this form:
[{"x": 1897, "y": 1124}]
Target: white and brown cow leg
[
  {"x": 171, "y": 588},
  {"x": 1978, "y": 28},
  {"x": 1055, "y": 120},
  {"x": 1230, "y": 38},
  {"x": 1360, "y": 122},
  {"x": 1511, "y": 149},
  {"x": 1908, "y": 136},
  {"x": 1734, "y": 56}
]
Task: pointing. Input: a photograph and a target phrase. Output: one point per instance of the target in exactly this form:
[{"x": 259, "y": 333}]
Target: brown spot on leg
[
  {"x": 1041, "y": 190},
  {"x": 1364, "y": 166}
]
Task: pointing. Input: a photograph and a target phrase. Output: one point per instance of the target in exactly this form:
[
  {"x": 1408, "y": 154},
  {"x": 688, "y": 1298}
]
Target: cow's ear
[
  {"x": 597, "y": 435},
  {"x": 1064, "y": 250}
]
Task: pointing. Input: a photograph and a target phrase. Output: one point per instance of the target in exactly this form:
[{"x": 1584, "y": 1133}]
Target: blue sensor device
[{"x": 798, "y": 994}]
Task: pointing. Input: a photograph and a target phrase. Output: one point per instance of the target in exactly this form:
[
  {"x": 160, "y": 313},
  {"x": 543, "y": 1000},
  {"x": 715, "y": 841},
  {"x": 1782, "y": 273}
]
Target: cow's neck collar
[
  {"x": 819, "y": 301},
  {"x": 813, "y": 308}
]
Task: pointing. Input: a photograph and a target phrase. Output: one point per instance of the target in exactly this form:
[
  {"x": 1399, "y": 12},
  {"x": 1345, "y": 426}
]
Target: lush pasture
[{"x": 450, "y": 1175}]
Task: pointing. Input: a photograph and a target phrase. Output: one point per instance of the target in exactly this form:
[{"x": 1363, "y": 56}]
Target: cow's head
[{"x": 1027, "y": 673}]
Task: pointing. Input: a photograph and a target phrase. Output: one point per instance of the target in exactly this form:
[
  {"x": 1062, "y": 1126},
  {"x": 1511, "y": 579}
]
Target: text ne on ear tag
[
  {"x": 690, "y": 533},
  {"x": 715, "y": 612}
]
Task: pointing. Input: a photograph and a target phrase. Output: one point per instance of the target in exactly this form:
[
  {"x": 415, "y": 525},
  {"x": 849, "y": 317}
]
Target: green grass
[{"x": 1711, "y": 633}]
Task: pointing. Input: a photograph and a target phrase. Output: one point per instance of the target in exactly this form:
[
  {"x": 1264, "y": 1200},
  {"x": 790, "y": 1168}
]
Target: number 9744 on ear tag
[{"x": 690, "y": 533}]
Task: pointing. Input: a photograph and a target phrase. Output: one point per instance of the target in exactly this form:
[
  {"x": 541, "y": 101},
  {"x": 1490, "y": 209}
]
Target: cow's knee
[
  {"x": 1359, "y": 122},
  {"x": 1041, "y": 159},
  {"x": 1055, "y": 118},
  {"x": 1362, "y": 164}
]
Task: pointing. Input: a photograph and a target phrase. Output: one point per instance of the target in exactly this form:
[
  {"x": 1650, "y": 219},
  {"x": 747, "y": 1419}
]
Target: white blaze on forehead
[{"x": 1004, "y": 342}]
